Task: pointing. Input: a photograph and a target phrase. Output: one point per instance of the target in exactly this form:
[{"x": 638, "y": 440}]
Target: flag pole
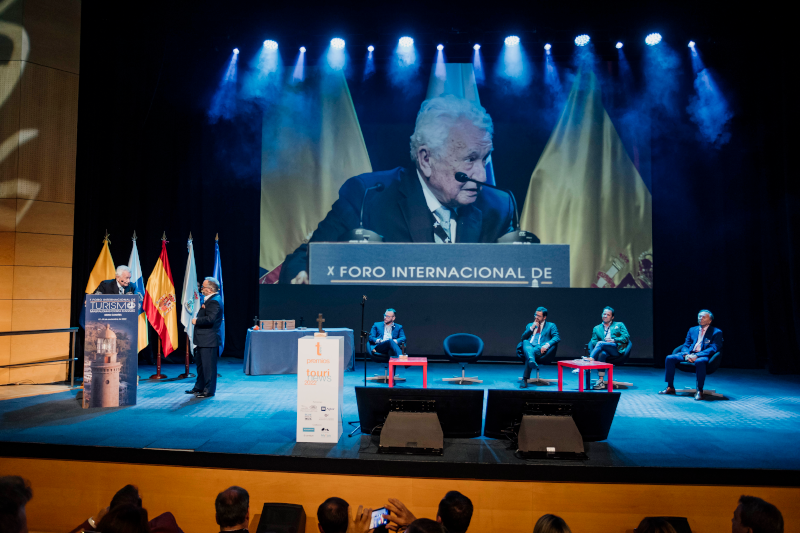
[
  {"x": 158, "y": 374},
  {"x": 186, "y": 374}
]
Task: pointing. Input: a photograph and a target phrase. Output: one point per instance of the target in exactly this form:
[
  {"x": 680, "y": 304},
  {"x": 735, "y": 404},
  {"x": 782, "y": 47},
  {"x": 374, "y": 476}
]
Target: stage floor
[{"x": 250, "y": 423}]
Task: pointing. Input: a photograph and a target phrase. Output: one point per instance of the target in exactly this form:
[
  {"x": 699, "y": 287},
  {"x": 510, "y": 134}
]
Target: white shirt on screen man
[{"x": 434, "y": 204}]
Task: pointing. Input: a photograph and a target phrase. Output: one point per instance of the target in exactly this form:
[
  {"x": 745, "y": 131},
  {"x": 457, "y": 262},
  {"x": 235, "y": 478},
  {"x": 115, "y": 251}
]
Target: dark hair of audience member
[
  {"x": 760, "y": 516},
  {"x": 425, "y": 525},
  {"x": 654, "y": 524},
  {"x": 551, "y": 523},
  {"x": 232, "y": 505},
  {"x": 127, "y": 494},
  {"x": 455, "y": 510},
  {"x": 124, "y": 518},
  {"x": 15, "y": 493},
  {"x": 332, "y": 515}
]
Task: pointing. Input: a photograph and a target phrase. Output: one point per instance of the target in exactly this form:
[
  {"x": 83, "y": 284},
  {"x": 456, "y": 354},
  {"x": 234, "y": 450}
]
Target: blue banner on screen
[
  {"x": 485, "y": 265},
  {"x": 110, "y": 365}
]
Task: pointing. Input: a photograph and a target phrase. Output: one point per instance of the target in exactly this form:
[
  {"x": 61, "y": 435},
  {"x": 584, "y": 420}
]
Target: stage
[{"x": 749, "y": 437}]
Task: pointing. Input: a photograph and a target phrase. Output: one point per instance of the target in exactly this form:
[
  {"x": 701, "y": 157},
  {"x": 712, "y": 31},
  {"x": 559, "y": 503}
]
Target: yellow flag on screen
[
  {"x": 586, "y": 192},
  {"x": 311, "y": 144},
  {"x": 103, "y": 269}
]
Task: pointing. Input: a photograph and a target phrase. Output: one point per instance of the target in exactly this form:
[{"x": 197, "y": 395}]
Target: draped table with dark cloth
[{"x": 275, "y": 351}]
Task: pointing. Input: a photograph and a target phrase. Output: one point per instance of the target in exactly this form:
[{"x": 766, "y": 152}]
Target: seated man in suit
[
  {"x": 386, "y": 336},
  {"x": 702, "y": 342},
  {"x": 609, "y": 339},
  {"x": 424, "y": 204},
  {"x": 120, "y": 285},
  {"x": 539, "y": 338}
]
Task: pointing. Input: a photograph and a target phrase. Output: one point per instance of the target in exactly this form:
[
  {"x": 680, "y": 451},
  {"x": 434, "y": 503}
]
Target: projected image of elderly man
[{"x": 423, "y": 204}]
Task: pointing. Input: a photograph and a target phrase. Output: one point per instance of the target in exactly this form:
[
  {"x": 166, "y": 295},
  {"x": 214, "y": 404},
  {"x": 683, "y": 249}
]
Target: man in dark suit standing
[
  {"x": 120, "y": 285},
  {"x": 539, "y": 338},
  {"x": 425, "y": 203},
  {"x": 207, "y": 340},
  {"x": 702, "y": 342}
]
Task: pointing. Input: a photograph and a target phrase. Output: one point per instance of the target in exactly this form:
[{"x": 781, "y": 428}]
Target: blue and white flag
[
  {"x": 218, "y": 275},
  {"x": 190, "y": 301},
  {"x": 138, "y": 287}
]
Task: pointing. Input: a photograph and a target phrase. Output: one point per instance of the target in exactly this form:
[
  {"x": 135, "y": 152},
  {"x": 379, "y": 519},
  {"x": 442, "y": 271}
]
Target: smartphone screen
[{"x": 377, "y": 518}]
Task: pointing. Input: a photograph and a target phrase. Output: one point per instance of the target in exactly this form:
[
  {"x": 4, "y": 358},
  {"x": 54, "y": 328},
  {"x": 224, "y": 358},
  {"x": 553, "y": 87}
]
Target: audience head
[
  {"x": 754, "y": 515},
  {"x": 551, "y": 523},
  {"x": 425, "y": 525},
  {"x": 332, "y": 515},
  {"x": 233, "y": 508},
  {"x": 124, "y": 518},
  {"x": 654, "y": 524},
  {"x": 15, "y": 493},
  {"x": 455, "y": 512},
  {"x": 127, "y": 494}
]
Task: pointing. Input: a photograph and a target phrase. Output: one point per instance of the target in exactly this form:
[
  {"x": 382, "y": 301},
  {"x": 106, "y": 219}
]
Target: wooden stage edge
[{"x": 66, "y": 492}]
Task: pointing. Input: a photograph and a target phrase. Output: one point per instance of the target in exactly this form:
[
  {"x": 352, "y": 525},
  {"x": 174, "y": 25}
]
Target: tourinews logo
[{"x": 315, "y": 376}]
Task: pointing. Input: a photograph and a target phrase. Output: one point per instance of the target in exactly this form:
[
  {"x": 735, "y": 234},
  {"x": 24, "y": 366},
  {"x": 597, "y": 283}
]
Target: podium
[
  {"x": 320, "y": 380},
  {"x": 479, "y": 264},
  {"x": 111, "y": 364}
]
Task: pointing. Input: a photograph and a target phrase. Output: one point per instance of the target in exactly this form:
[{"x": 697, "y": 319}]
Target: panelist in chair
[
  {"x": 702, "y": 342},
  {"x": 539, "y": 338},
  {"x": 423, "y": 204},
  {"x": 386, "y": 336},
  {"x": 121, "y": 284},
  {"x": 609, "y": 339}
]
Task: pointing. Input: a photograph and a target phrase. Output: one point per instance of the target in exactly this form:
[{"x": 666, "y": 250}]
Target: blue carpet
[{"x": 753, "y": 427}]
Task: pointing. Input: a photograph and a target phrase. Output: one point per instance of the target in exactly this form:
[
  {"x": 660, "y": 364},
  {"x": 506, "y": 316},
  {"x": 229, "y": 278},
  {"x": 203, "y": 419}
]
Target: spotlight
[
  {"x": 653, "y": 39},
  {"x": 440, "y": 47},
  {"x": 337, "y": 43},
  {"x": 302, "y": 49},
  {"x": 511, "y": 40},
  {"x": 235, "y": 50},
  {"x": 406, "y": 42},
  {"x": 582, "y": 40},
  {"x": 691, "y": 44},
  {"x": 476, "y": 47},
  {"x": 619, "y": 45},
  {"x": 270, "y": 45},
  {"x": 547, "y": 46},
  {"x": 370, "y": 48}
]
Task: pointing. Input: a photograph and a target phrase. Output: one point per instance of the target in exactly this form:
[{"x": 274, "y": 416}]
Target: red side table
[
  {"x": 411, "y": 361},
  {"x": 582, "y": 365}
]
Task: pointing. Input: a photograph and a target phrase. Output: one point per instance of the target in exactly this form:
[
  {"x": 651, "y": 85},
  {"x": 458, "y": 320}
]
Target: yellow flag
[
  {"x": 311, "y": 144},
  {"x": 103, "y": 269},
  {"x": 586, "y": 192}
]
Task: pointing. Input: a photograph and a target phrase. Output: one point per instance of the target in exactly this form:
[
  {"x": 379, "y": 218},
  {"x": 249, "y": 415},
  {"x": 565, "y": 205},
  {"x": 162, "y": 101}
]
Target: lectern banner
[
  {"x": 320, "y": 381},
  {"x": 481, "y": 265},
  {"x": 111, "y": 364}
]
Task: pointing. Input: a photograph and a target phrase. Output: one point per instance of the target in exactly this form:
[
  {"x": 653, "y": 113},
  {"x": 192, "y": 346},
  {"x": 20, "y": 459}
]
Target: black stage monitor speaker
[
  {"x": 460, "y": 412},
  {"x": 412, "y": 433},
  {"x": 282, "y": 518},
  {"x": 592, "y": 412},
  {"x": 545, "y": 436}
]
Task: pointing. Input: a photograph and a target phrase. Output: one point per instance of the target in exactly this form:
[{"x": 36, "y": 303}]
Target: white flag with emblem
[{"x": 191, "y": 299}]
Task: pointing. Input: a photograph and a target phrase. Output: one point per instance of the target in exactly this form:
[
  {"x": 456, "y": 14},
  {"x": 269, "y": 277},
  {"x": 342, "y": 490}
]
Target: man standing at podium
[
  {"x": 120, "y": 285},
  {"x": 207, "y": 340}
]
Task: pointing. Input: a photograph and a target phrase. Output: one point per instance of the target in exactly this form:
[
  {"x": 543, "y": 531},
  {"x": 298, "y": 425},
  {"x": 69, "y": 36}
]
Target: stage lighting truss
[
  {"x": 270, "y": 45},
  {"x": 337, "y": 43},
  {"x": 511, "y": 40},
  {"x": 653, "y": 39},
  {"x": 406, "y": 42},
  {"x": 582, "y": 40}
]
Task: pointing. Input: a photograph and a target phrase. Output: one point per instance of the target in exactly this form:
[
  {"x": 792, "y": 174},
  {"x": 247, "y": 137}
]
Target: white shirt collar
[{"x": 430, "y": 199}]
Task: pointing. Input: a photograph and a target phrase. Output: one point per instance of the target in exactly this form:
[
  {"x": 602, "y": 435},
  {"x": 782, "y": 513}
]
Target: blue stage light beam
[
  {"x": 406, "y": 52},
  {"x": 299, "y": 73},
  {"x": 404, "y": 67},
  {"x": 269, "y": 60},
  {"x": 652, "y": 39},
  {"x": 270, "y": 44},
  {"x": 477, "y": 64},
  {"x": 619, "y": 45},
  {"x": 551, "y": 77},
  {"x": 370, "y": 48},
  {"x": 223, "y": 103},
  {"x": 337, "y": 58},
  {"x": 405, "y": 42},
  {"x": 708, "y": 108},
  {"x": 511, "y": 40},
  {"x": 440, "y": 71},
  {"x": 582, "y": 40},
  {"x": 369, "y": 64},
  {"x": 513, "y": 65},
  {"x": 547, "y": 47}
]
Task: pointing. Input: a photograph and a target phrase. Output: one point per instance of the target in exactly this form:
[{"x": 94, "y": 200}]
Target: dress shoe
[
  {"x": 698, "y": 395},
  {"x": 668, "y": 390},
  {"x": 192, "y": 391},
  {"x": 524, "y": 384},
  {"x": 203, "y": 395},
  {"x": 600, "y": 385}
]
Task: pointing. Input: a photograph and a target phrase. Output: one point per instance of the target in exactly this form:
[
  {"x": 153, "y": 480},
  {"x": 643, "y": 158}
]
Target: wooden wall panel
[
  {"x": 48, "y": 373},
  {"x": 52, "y": 218},
  {"x": 28, "y": 348},
  {"x": 54, "y": 27},
  {"x": 6, "y": 281},
  {"x": 7, "y": 240},
  {"x": 60, "y": 503},
  {"x": 8, "y": 211},
  {"x": 39, "y": 314},
  {"x": 9, "y": 128},
  {"x": 42, "y": 283},
  {"x": 36, "y": 249}
]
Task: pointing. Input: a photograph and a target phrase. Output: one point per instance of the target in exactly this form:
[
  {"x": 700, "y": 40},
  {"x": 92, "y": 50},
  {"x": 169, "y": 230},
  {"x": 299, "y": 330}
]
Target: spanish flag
[
  {"x": 159, "y": 302},
  {"x": 103, "y": 268}
]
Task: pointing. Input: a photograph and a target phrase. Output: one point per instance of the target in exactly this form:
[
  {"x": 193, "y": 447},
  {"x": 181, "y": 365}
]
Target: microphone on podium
[
  {"x": 516, "y": 236},
  {"x": 360, "y": 234}
]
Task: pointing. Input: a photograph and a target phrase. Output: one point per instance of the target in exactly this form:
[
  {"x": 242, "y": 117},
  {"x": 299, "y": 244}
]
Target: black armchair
[
  {"x": 383, "y": 358},
  {"x": 541, "y": 359},
  {"x": 711, "y": 367},
  {"x": 619, "y": 360},
  {"x": 463, "y": 348}
]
